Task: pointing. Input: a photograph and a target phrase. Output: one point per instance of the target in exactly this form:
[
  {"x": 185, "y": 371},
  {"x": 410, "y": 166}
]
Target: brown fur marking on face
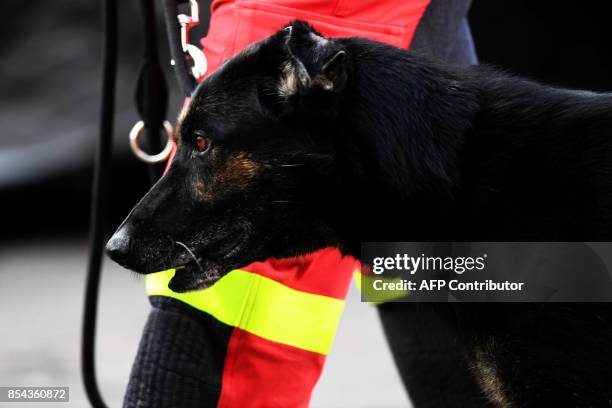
[
  {"x": 234, "y": 175},
  {"x": 237, "y": 172},
  {"x": 485, "y": 369}
]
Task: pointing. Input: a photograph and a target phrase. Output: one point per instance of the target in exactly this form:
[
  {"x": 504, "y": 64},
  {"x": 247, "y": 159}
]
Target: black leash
[{"x": 99, "y": 203}]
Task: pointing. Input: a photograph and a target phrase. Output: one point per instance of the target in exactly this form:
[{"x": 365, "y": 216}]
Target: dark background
[{"x": 50, "y": 82}]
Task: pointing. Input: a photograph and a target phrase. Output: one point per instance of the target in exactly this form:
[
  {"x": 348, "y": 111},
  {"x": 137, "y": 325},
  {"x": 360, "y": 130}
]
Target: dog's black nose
[{"x": 118, "y": 247}]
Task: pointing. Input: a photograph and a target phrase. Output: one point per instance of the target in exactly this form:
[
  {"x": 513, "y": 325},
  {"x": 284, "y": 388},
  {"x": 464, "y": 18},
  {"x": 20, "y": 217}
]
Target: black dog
[{"x": 300, "y": 142}]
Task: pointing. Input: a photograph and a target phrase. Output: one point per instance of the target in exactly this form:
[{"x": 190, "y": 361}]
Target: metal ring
[{"x": 144, "y": 156}]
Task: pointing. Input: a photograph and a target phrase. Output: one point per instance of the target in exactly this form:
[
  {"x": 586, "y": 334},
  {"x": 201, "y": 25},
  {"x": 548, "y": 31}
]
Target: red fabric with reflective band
[{"x": 263, "y": 374}]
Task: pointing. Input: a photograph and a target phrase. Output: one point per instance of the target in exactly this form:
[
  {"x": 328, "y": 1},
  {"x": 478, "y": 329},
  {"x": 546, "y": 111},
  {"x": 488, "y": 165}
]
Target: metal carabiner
[{"x": 200, "y": 64}]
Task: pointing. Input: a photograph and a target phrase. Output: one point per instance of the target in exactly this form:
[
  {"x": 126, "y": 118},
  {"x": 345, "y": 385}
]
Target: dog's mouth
[{"x": 208, "y": 264}]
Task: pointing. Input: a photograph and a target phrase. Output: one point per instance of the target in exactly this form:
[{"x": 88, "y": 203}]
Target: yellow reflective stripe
[
  {"x": 369, "y": 294},
  {"x": 263, "y": 307},
  {"x": 224, "y": 300}
]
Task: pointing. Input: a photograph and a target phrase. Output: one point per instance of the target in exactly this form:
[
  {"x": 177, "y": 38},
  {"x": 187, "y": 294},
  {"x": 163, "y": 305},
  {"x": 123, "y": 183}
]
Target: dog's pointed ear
[
  {"x": 310, "y": 72},
  {"x": 313, "y": 62},
  {"x": 333, "y": 73}
]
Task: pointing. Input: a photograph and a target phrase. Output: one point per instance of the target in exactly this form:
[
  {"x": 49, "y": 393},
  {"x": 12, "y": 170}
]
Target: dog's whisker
[
  {"x": 285, "y": 201},
  {"x": 192, "y": 255},
  {"x": 290, "y": 164}
]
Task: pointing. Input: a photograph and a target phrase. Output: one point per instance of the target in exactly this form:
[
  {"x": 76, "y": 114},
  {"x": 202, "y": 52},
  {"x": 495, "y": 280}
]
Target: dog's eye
[{"x": 203, "y": 142}]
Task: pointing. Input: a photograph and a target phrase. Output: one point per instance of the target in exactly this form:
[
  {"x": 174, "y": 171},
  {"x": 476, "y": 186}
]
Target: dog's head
[{"x": 256, "y": 168}]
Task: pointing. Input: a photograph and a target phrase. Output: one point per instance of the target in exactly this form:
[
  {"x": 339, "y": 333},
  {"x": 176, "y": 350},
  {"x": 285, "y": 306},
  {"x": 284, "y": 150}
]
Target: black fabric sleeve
[{"x": 180, "y": 358}]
